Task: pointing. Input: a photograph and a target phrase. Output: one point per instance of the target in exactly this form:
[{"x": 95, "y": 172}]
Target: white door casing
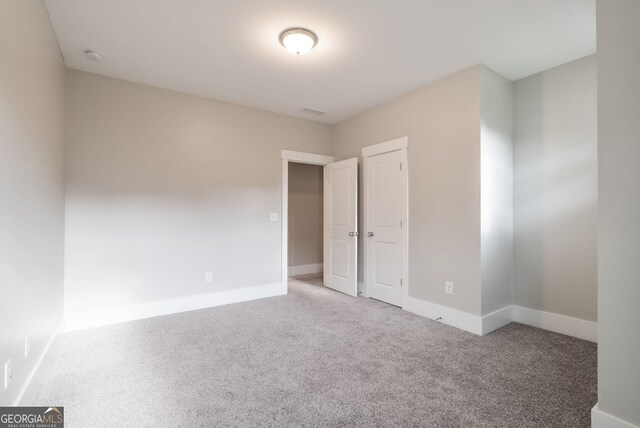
[{"x": 341, "y": 226}]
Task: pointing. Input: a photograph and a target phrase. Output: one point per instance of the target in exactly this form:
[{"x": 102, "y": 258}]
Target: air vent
[{"x": 313, "y": 111}]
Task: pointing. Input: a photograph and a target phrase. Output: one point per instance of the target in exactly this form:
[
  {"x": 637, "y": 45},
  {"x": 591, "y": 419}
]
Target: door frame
[
  {"x": 399, "y": 144},
  {"x": 295, "y": 157}
]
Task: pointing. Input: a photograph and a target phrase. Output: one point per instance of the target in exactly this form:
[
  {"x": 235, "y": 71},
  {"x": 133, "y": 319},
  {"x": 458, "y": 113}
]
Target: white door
[
  {"x": 341, "y": 226},
  {"x": 384, "y": 182}
]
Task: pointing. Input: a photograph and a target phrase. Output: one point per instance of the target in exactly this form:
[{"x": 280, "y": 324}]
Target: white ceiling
[{"x": 370, "y": 51}]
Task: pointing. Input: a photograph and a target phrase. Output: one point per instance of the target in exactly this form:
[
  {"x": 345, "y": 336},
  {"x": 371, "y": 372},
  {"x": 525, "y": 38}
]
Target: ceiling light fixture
[
  {"x": 298, "y": 41},
  {"x": 93, "y": 55},
  {"x": 312, "y": 110}
]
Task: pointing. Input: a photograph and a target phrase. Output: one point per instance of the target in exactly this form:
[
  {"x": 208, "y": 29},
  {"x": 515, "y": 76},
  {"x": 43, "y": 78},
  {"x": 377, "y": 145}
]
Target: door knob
[
  {"x": 353, "y": 234},
  {"x": 370, "y": 234}
]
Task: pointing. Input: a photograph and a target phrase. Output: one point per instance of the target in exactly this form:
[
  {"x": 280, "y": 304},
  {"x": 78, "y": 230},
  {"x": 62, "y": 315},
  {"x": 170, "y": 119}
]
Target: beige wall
[
  {"x": 619, "y": 210},
  {"x": 305, "y": 214},
  {"x": 442, "y": 121},
  {"x": 163, "y": 187},
  {"x": 496, "y": 212},
  {"x": 31, "y": 187},
  {"x": 556, "y": 191},
  {"x": 460, "y": 133}
]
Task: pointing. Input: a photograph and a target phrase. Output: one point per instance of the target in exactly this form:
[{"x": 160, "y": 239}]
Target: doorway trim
[
  {"x": 295, "y": 157},
  {"x": 398, "y": 144}
]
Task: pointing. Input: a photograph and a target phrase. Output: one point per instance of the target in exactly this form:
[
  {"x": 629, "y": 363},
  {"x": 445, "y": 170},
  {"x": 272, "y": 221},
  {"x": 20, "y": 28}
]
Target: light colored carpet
[{"x": 318, "y": 358}]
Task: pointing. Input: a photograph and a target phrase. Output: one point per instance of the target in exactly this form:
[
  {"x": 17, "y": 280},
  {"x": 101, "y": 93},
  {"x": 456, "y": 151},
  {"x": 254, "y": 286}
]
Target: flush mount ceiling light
[
  {"x": 298, "y": 41},
  {"x": 93, "y": 55}
]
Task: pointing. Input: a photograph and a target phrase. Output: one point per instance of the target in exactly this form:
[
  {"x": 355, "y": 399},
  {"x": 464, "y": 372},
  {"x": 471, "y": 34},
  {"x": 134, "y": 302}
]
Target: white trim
[
  {"x": 453, "y": 317},
  {"x": 482, "y": 325},
  {"x": 600, "y": 419},
  {"x": 284, "y": 217},
  {"x": 563, "y": 324},
  {"x": 385, "y": 147},
  {"x": 29, "y": 390},
  {"x": 308, "y": 158},
  {"x": 405, "y": 221},
  {"x": 365, "y": 229},
  {"x": 296, "y": 157},
  {"x": 118, "y": 314},
  {"x": 305, "y": 269},
  {"x": 497, "y": 319}
]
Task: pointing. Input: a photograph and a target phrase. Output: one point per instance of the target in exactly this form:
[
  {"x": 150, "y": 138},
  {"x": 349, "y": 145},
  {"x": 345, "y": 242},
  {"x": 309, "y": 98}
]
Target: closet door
[
  {"x": 384, "y": 199},
  {"x": 341, "y": 226}
]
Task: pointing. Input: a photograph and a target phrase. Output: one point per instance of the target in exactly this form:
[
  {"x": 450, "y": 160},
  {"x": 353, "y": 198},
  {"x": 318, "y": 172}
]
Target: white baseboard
[
  {"x": 118, "y": 314},
  {"x": 453, "y": 317},
  {"x": 497, "y": 319},
  {"x": 563, "y": 324},
  {"x": 482, "y": 325},
  {"x": 29, "y": 390},
  {"x": 600, "y": 419},
  {"x": 305, "y": 269},
  {"x": 475, "y": 324}
]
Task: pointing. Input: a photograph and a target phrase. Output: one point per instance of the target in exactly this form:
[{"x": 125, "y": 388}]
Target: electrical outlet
[
  {"x": 8, "y": 374},
  {"x": 448, "y": 287},
  {"x": 27, "y": 345},
  {"x": 273, "y": 216},
  {"x": 208, "y": 277}
]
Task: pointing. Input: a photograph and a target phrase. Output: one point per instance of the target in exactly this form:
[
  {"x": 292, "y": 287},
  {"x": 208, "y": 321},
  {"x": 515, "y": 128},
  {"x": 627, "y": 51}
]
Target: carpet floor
[{"x": 318, "y": 358}]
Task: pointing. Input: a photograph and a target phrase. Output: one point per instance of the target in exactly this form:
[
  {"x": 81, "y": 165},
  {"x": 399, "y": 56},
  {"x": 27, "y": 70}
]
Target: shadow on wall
[{"x": 555, "y": 191}]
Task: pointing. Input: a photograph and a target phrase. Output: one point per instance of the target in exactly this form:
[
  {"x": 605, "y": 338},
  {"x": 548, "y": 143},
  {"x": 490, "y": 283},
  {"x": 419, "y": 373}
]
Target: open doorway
[
  {"x": 304, "y": 219},
  {"x": 305, "y": 234},
  {"x": 340, "y": 219}
]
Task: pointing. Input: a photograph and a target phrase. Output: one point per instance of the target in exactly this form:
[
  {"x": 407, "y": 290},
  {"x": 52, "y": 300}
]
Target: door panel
[
  {"x": 340, "y": 198},
  {"x": 340, "y": 255},
  {"x": 385, "y": 269},
  {"x": 384, "y": 173},
  {"x": 384, "y": 231},
  {"x": 341, "y": 225}
]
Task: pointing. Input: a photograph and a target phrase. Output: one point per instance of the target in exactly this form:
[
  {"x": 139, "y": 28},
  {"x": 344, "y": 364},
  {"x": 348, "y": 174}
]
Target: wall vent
[{"x": 313, "y": 111}]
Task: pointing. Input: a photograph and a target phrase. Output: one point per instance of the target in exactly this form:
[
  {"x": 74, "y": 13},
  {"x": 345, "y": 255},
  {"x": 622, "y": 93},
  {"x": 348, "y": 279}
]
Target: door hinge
[
  {"x": 400, "y": 282},
  {"x": 401, "y": 166},
  {"x": 400, "y": 224}
]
